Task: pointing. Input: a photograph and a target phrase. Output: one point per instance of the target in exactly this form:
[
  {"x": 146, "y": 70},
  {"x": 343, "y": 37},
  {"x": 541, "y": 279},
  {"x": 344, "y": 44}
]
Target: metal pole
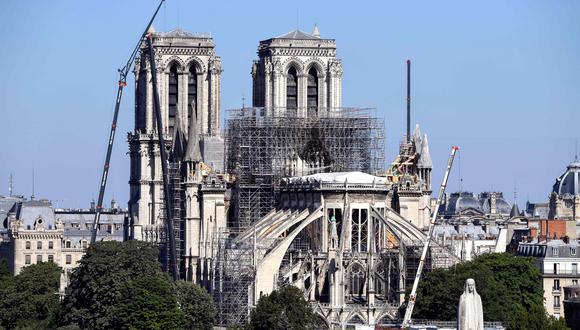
[
  {"x": 408, "y": 101},
  {"x": 413, "y": 294},
  {"x": 163, "y": 152}
]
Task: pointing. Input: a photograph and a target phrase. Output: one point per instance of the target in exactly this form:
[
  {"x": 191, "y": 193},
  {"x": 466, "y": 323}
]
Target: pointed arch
[
  {"x": 312, "y": 89},
  {"x": 174, "y": 61},
  {"x": 292, "y": 88},
  {"x": 172, "y": 95}
]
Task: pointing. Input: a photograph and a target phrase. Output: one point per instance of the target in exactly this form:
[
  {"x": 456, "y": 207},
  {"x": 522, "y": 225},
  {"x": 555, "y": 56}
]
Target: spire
[
  {"x": 192, "y": 153},
  {"x": 315, "y": 32},
  {"x": 425, "y": 157},
  {"x": 515, "y": 210}
]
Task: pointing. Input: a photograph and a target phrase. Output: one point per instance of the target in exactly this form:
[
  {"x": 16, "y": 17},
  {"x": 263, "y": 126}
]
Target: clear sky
[{"x": 501, "y": 79}]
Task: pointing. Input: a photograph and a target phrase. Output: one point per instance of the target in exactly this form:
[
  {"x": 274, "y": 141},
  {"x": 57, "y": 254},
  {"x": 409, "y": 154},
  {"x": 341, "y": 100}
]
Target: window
[
  {"x": 555, "y": 251},
  {"x": 573, "y": 251},
  {"x": 574, "y": 268},
  {"x": 68, "y": 259},
  {"x": 191, "y": 92},
  {"x": 50, "y": 245},
  {"x": 173, "y": 97},
  {"x": 574, "y": 282},
  {"x": 556, "y": 267},
  {"x": 556, "y": 301},
  {"x": 38, "y": 258},
  {"x": 39, "y": 245},
  {"x": 292, "y": 89},
  {"x": 312, "y": 90},
  {"x": 84, "y": 244},
  {"x": 357, "y": 280},
  {"x": 359, "y": 230},
  {"x": 556, "y": 286},
  {"x": 50, "y": 258},
  {"x": 28, "y": 245},
  {"x": 27, "y": 259},
  {"x": 67, "y": 244}
]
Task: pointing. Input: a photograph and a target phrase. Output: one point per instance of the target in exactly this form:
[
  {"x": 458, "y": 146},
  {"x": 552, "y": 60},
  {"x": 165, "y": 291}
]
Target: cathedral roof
[
  {"x": 297, "y": 34},
  {"x": 568, "y": 183}
]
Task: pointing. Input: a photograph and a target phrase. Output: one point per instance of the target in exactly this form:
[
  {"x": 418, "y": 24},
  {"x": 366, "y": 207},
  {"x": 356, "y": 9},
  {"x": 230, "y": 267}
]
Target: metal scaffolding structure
[
  {"x": 175, "y": 184},
  {"x": 262, "y": 148}
]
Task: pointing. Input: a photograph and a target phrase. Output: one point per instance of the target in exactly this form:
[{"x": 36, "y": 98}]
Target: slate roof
[{"x": 296, "y": 34}]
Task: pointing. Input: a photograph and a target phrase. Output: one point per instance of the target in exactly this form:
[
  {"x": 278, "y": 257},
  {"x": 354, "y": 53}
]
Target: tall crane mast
[
  {"x": 123, "y": 72},
  {"x": 413, "y": 295}
]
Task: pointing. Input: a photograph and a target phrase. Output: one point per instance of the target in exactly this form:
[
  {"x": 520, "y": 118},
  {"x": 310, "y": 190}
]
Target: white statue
[{"x": 470, "y": 312}]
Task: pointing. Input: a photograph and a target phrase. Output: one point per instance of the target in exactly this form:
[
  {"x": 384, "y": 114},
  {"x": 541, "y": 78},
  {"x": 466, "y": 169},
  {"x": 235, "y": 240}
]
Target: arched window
[
  {"x": 359, "y": 230},
  {"x": 292, "y": 89},
  {"x": 312, "y": 90},
  {"x": 191, "y": 92},
  {"x": 173, "y": 97},
  {"x": 357, "y": 280}
]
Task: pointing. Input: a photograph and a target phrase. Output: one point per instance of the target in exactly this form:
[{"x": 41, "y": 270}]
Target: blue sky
[{"x": 501, "y": 79}]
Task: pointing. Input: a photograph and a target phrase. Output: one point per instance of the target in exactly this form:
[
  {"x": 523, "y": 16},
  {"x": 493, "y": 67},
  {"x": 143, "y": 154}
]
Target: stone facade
[
  {"x": 304, "y": 65},
  {"x": 36, "y": 232},
  {"x": 558, "y": 263},
  {"x": 410, "y": 174},
  {"x": 188, "y": 74}
]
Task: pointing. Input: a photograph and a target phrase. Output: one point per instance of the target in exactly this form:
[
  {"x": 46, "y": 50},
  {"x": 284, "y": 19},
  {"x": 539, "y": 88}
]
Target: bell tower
[
  {"x": 188, "y": 76},
  {"x": 297, "y": 73}
]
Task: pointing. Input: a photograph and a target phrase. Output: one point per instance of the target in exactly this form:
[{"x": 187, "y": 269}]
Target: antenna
[
  {"x": 576, "y": 152},
  {"x": 459, "y": 170},
  {"x": 32, "y": 197},
  {"x": 408, "y": 101},
  {"x": 297, "y": 19},
  {"x": 243, "y": 101},
  {"x": 10, "y": 185}
]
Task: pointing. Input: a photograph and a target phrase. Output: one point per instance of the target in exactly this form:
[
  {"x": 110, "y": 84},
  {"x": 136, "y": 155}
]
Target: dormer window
[
  {"x": 555, "y": 251},
  {"x": 67, "y": 244},
  {"x": 573, "y": 251}
]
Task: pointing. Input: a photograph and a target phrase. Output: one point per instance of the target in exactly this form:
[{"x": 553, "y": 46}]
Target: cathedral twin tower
[{"x": 297, "y": 74}]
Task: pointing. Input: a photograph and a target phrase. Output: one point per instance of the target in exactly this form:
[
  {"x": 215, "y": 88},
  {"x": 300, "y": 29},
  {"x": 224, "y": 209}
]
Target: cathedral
[{"x": 294, "y": 193}]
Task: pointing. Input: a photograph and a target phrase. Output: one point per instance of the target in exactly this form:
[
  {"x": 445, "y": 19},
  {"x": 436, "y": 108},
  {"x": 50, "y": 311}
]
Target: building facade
[
  {"x": 564, "y": 200},
  {"x": 299, "y": 73},
  {"x": 189, "y": 72},
  {"x": 36, "y": 232},
  {"x": 558, "y": 262}
]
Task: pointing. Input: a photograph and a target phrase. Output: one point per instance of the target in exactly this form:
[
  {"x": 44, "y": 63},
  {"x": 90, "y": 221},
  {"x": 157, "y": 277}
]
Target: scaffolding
[
  {"x": 262, "y": 148},
  {"x": 175, "y": 185},
  {"x": 233, "y": 278}
]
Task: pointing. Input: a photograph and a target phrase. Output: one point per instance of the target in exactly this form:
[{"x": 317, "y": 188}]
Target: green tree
[
  {"x": 97, "y": 284},
  {"x": 285, "y": 308},
  {"x": 31, "y": 299},
  {"x": 510, "y": 288},
  {"x": 196, "y": 304},
  {"x": 148, "y": 302}
]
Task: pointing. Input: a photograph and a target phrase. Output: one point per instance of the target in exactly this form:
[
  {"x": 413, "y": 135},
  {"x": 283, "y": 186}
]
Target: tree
[
  {"x": 510, "y": 288},
  {"x": 31, "y": 298},
  {"x": 148, "y": 302},
  {"x": 196, "y": 305},
  {"x": 285, "y": 308},
  {"x": 97, "y": 284}
]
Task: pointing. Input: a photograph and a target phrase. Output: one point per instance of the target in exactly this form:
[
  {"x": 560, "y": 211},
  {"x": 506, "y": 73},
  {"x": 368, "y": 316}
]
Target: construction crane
[
  {"x": 413, "y": 295},
  {"x": 121, "y": 84},
  {"x": 164, "y": 161}
]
